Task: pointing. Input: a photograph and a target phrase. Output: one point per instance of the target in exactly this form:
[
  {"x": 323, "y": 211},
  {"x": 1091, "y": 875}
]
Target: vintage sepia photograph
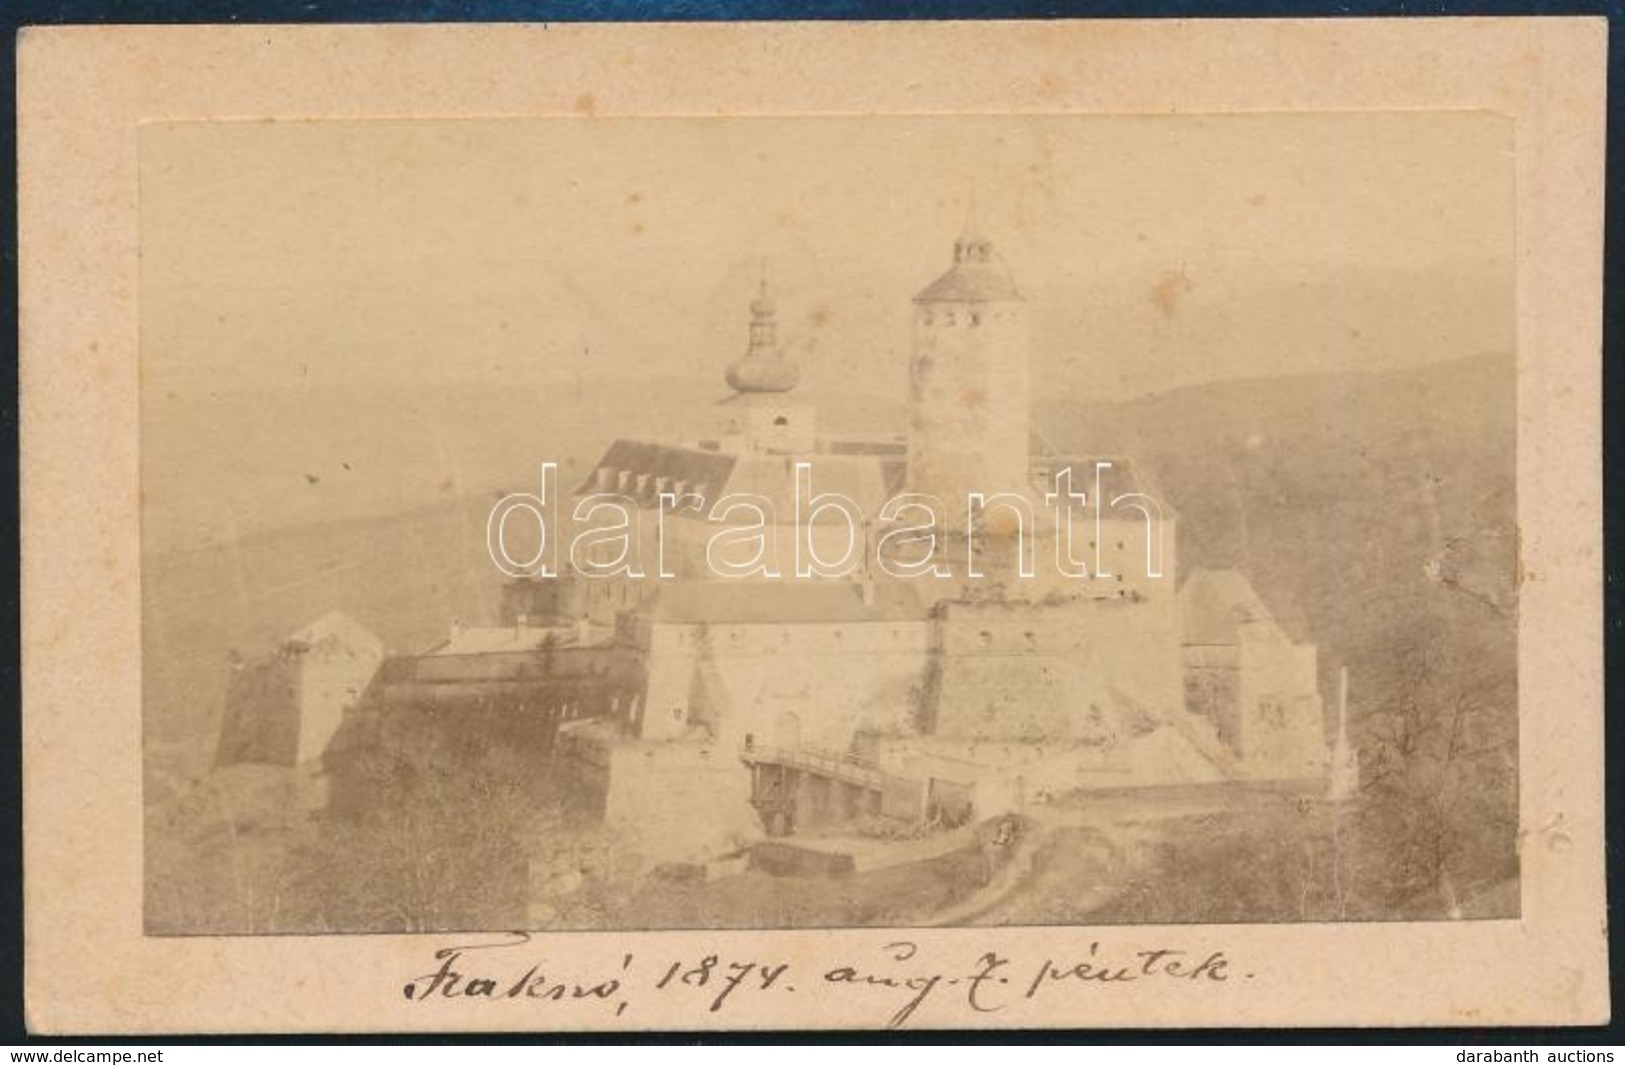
[{"x": 605, "y": 524}]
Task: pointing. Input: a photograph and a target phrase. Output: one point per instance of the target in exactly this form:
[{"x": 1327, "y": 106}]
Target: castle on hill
[
  {"x": 697, "y": 713},
  {"x": 789, "y": 704}
]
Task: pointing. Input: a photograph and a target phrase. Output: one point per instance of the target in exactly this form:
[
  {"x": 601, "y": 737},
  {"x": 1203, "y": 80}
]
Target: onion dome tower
[
  {"x": 763, "y": 368},
  {"x": 762, "y": 415}
]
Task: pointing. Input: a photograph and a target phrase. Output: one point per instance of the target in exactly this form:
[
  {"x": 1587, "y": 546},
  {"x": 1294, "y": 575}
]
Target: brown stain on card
[{"x": 1167, "y": 291}]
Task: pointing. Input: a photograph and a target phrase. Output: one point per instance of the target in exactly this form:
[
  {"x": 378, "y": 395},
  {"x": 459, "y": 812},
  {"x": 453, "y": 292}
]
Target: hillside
[{"x": 1353, "y": 501}]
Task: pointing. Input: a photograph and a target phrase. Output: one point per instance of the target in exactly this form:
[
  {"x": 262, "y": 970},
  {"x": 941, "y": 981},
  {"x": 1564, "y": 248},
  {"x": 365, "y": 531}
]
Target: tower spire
[
  {"x": 763, "y": 367},
  {"x": 972, "y": 246},
  {"x": 973, "y": 226}
]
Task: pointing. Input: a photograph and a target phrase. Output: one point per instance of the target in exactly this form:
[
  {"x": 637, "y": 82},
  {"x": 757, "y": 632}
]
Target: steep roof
[
  {"x": 1215, "y": 603},
  {"x": 868, "y": 478},
  {"x": 978, "y": 275},
  {"x": 662, "y": 460},
  {"x": 966, "y": 284},
  {"x": 865, "y": 479}
]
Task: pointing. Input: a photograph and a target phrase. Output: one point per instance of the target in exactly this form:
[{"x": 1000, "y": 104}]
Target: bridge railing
[{"x": 843, "y": 765}]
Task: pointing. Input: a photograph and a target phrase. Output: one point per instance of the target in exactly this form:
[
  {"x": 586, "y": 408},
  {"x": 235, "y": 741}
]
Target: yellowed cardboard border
[{"x": 83, "y": 92}]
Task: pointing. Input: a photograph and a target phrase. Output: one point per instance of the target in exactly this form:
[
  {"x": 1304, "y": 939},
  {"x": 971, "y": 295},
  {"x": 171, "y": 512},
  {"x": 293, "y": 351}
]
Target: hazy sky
[{"x": 1157, "y": 251}]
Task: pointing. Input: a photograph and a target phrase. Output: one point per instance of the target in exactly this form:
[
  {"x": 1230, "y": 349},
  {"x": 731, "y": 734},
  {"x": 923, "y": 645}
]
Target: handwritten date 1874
[{"x": 897, "y": 978}]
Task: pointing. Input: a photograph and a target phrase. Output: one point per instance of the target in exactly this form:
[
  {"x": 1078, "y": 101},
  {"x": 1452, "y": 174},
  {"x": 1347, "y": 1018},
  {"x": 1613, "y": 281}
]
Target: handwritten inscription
[{"x": 898, "y": 979}]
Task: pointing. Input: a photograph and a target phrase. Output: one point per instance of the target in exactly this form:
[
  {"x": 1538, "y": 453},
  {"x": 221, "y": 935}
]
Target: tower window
[
  {"x": 975, "y": 318},
  {"x": 781, "y": 420}
]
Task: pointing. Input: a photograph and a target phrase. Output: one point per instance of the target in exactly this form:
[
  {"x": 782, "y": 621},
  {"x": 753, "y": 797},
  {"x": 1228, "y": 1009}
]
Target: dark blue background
[
  {"x": 73, "y": 11},
  {"x": 15, "y": 13}
]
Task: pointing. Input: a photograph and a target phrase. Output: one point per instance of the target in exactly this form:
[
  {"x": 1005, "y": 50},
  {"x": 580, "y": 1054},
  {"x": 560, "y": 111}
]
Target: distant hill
[
  {"x": 224, "y": 465},
  {"x": 1357, "y": 503}
]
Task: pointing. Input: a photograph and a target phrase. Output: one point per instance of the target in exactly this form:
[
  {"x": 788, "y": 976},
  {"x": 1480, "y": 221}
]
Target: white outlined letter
[
  {"x": 907, "y": 535},
  {"x": 540, "y": 508},
  {"x": 764, "y": 562},
  {"x": 1062, "y": 499},
  {"x": 1015, "y": 503},
  {"x": 808, "y": 508},
  {"x": 1100, "y": 528},
  {"x": 672, "y": 501},
  {"x": 585, "y": 546},
  {"x": 1152, "y": 512}
]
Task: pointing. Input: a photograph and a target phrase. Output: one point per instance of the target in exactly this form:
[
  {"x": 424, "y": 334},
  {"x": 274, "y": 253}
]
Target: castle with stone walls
[
  {"x": 747, "y": 698},
  {"x": 817, "y": 700}
]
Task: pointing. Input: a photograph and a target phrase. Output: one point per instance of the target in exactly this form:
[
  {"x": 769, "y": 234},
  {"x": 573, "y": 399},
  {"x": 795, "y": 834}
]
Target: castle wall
[
  {"x": 769, "y": 424},
  {"x": 681, "y": 801},
  {"x": 261, "y": 723},
  {"x": 332, "y": 677},
  {"x": 688, "y": 537},
  {"x": 540, "y": 601},
  {"x": 1030, "y": 672},
  {"x": 785, "y": 683},
  {"x": 687, "y": 800},
  {"x": 1282, "y": 728},
  {"x": 284, "y": 709},
  {"x": 1213, "y": 690},
  {"x": 1263, "y": 702}
]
